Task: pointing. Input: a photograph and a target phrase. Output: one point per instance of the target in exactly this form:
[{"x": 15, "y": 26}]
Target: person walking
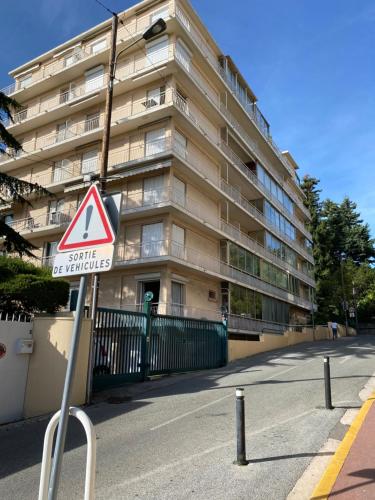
[{"x": 334, "y": 330}]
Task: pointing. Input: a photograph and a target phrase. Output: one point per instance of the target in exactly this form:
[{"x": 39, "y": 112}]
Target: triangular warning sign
[{"x": 90, "y": 226}]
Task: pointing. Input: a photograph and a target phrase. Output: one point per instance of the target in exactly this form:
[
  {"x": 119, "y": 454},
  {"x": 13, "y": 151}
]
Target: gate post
[
  {"x": 225, "y": 340},
  {"x": 147, "y": 342}
]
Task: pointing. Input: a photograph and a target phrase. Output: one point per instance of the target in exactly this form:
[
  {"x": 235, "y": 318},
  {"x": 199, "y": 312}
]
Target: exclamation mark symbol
[{"x": 88, "y": 218}]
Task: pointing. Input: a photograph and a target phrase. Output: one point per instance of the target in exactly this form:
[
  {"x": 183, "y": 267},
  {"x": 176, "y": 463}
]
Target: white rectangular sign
[{"x": 85, "y": 261}]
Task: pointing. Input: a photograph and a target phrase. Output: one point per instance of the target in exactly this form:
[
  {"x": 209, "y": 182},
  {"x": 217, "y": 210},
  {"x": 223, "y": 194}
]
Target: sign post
[{"x": 87, "y": 247}]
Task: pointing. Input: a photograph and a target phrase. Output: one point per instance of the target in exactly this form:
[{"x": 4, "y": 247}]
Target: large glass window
[
  {"x": 275, "y": 218},
  {"x": 274, "y": 188}
]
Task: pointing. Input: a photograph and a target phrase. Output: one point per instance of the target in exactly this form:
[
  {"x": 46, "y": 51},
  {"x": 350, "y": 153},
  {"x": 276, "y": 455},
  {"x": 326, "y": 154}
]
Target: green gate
[{"x": 130, "y": 346}]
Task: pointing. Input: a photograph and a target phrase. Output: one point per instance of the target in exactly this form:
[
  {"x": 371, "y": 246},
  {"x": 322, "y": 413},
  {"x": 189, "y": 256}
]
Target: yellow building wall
[{"x": 48, "y": 364}]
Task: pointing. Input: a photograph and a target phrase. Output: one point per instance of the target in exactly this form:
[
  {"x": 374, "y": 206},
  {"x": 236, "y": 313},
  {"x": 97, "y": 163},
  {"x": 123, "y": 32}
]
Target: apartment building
[{"x": 212, "y": 212}]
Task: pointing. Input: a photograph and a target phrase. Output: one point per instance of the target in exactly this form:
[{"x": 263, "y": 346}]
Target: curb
[{"x": 327, "y": 481}]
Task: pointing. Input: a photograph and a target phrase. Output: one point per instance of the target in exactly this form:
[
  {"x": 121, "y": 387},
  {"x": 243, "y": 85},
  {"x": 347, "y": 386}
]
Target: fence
[{"x": 130, "y": 346}]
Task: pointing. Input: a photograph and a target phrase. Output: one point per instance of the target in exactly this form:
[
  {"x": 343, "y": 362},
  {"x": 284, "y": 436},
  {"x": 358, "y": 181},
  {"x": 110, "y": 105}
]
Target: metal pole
[
  {"x": 64, "y": 416},
  {"x": 108, "y": 106},
  {"x": 240, "y": 427},
  {"x": 94, "y": 308},
  {"x": 147, "y": 304},
  {"x": 327, "y": 383},
  {"x": 344, "y": 296},
  {"x": 104, "y": 158}
]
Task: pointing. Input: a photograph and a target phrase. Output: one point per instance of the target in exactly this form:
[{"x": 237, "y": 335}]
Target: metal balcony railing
[
  {"x": 58, "y": 218},
  {"x": 204, "y": 262},
  {"x": 130, "y": 28}
]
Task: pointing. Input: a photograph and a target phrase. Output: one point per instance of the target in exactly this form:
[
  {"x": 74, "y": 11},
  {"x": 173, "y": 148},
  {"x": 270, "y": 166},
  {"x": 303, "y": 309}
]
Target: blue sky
[{"x": 311, "y": 65}]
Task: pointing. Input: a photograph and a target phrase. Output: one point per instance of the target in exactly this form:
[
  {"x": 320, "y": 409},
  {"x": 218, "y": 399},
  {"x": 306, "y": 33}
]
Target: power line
[{"x": 105, "y": 7}]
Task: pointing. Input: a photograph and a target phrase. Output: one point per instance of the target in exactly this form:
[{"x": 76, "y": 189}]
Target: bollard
[
  {"x": 327, "y": 383},
  {"x": 240, "y": 428}
]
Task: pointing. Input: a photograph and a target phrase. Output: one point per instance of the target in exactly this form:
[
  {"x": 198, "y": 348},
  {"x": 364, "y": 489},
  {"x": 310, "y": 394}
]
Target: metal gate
[{"x": 130, "y": 346}]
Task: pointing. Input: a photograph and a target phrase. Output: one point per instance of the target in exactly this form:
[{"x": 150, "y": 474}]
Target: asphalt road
[{"x": 175, "y": 438}]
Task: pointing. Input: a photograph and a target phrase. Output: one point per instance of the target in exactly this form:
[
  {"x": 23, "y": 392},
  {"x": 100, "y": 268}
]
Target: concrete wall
[
  {"x": 13, "y": 369},
  {"x": 238, "y": 349},
  {"x": 48, "y": 363}
]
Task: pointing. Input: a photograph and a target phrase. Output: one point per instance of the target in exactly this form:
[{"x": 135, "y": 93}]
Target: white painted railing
[{"x": 52, "y": 218}]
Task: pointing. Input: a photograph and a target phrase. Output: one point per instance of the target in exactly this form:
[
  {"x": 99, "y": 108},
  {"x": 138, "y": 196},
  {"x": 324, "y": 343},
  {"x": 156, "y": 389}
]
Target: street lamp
[{"x": 155, "y": 29}]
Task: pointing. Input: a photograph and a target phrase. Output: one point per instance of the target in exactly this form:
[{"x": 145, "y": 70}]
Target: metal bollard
[
  {"x": 240, "y": 428},
  {"x": 327, "y": 383}
]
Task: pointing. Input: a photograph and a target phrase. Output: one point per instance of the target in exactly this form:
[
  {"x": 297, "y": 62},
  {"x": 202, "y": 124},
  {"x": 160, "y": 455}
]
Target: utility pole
[{"x": 103, "y": 176}]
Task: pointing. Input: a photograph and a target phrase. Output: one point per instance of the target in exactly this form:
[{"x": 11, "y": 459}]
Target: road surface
[{"x": 175, "y": 438}]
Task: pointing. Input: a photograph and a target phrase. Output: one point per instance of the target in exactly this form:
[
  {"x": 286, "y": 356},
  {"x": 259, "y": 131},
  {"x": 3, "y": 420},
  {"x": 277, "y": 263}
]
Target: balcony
[
  {"x": 201, "y": 262},
  {"x": 184, "y": 107},
  {"x": 83, "y": 128},
  {"x": 129, "y": 29},
  {"x": 58, "y": 219},
  {"x": 252, "y": 111}
]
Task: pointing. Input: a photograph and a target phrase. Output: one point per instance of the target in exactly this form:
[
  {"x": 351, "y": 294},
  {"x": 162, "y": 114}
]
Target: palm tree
[{"x": 11, "y": 187}]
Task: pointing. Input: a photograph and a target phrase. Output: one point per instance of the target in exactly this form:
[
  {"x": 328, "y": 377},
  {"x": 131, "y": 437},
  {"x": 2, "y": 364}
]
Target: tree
[
  {"x": 11, "y": 187},
  {"x": 28, "y": 288},
  {"x": 340, "y": 238}
]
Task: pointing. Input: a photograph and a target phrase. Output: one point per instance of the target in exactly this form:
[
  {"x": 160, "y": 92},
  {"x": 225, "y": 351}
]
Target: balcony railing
[
  {"x": 167, "y": 195},
  {"x": 184, "y": 107},
  {"x": 247, "y": 324},
  {"x": 92, "y": 124},
  {"x": 52, "y": 218},
  {"x": 132, "y": 27},
  {"x": 203, "y": 262}
]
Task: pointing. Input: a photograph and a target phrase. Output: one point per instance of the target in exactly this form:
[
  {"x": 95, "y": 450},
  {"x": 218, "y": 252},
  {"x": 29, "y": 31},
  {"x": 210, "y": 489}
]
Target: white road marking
[
  {"x": 206, "y": 452},
  {"x": 344, "y": 359},
  {"x": 370, "y": 348},
  {"x": 183, "y": 415}
]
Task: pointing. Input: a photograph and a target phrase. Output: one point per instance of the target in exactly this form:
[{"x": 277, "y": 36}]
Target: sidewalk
[{"x": 351, "y": 473}]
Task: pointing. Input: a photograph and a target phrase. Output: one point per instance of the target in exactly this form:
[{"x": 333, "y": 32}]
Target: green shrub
[{"x": 25, "y": 287}]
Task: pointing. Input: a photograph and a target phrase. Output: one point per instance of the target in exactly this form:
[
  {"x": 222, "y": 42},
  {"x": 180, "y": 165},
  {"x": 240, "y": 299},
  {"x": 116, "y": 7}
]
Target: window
[
  {"x": 178, "y": 298},
  {"x": 73, "y": 57},
  {"x": 155, "y": 97},
  {"x": 25, "y": 81},
  {"x": 92, "y": 121},
  {"x": 21, "y": 114},
  {"x": 183, "y": 55},
  {"x": 8, "y": 219},
  {"x": 62, "y": 130},
  {"x": 98, "y": 46},
  {"x": 162, "y": 13},
  {"x": 178, "y": 241},
  {"x": 155, "y": 142},
  {"x": 67, "y": 93},
  {"x": 61, "y": 170},
  {"x": 152, "y": 240},
  {"x": 50, "y": 251},
  {"x": 212, "y": 295},
  {"x": 153, "y": 190},
  {"x": 55, "y": 214},
  {"x": 179, "y": 191},
  {"x": 157, "y": 51},
  {"x": 89, "y": 162},
  {"x": 94, "y": 79},
  {"x": 180, "y": 143}
]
